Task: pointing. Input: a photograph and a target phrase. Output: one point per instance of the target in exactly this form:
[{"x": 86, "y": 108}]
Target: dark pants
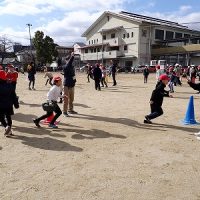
[
  {"x": 145, "y": 78},
  {"x": 156, "y": 111},
  {"x": 6, "y": 120},
  {"x": 49, "y": 80},
  {"x": 33, "y": 83},
  {"x": 89, "y": 76},
  {"x": 48, "y": 114},
  {"x": 97, "y": 84},
  {"x": 114, "y": 80}
]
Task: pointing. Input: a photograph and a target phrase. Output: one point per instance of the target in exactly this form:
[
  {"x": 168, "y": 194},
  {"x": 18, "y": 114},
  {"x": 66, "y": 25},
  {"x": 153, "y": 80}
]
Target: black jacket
[
  {"x": 114, "y": 68},
  {"x": 69, "y": 73},
  {"x": 146, "y": 72},
  {"x": 8, "y": 98},
  {"x": 158, "y": 94},
  {"x": 97, "y": 73}
]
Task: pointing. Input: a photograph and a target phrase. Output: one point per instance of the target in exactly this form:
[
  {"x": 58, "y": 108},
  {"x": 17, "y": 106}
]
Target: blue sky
[{"x": 66, "y": 20}]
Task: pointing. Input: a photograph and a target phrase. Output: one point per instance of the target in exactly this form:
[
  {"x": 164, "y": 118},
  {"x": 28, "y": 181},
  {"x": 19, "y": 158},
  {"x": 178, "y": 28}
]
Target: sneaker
[
  {"x": 72, "y": 112},
  {"x": 7, "y": 130},
  {"x": 147, "y": 120},
  {"x": 65, "y": 114},
  {"x": 29, "y": 88},
  {"x": 52, "y": 126},
  {"x": 36, "y": 123},
  {"x": 33, "y": 88}
]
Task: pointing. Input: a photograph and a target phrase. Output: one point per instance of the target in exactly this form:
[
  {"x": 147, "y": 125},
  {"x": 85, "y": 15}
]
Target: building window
[
  {"x": 94, "y": 41},
  {"x": 132, "y": 34},
  {"x": 91, "y": 50},
  {"x": 124, "y": 36},
  {"x": 89, "y": 42},
  {"x": 95, "y": 50},
  {"x": 144, "y": 33},
  {"x": 186, "y": 35},
  {"x": 113, "y": 35},
  {"x": 108, "y": 18},
  {"x": 86, "y": 50},
  {"x": 104, "y": 37},
  {"x": 125, "y": 47},
  {"x": 97, "y": 41},
  {"x": 178, "y": 35},
  {"x": 98, "y": 49},
  {"x": 159, "y": 34},
  {"x": 169, "y": 35},
  {"x": 127, "y": 35}
]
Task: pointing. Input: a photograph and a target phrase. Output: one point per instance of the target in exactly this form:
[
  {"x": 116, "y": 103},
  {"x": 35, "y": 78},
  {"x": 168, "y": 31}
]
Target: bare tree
[{"x": 6, "y": 47}]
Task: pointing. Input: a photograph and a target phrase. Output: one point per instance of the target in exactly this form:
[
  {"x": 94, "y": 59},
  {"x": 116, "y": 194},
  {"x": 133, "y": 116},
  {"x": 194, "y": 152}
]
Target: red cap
[
  {"x": 163, "y": 77},
  {"x": 2, "y": 75},
  {"x": 157, "y": 66},
  {"x": 57, "y": 78}
]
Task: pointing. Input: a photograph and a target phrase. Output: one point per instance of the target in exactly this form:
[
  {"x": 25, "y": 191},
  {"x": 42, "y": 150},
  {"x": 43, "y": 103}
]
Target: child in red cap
[
  {"x": 12, "y": 75},
  {"x": 157, "y": 99},
  {"x": 8, "y": 98},
  {"x": 52, "y": 96}
]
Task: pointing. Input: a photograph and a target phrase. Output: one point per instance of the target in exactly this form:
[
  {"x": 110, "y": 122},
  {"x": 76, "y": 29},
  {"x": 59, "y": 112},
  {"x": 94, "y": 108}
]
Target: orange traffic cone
[{"x": 48, "y": 120}]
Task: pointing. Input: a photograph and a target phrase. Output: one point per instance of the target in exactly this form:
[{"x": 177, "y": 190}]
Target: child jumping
[
  {"x": 157, "y": 99},
  {"x": 52, "y": 96}
]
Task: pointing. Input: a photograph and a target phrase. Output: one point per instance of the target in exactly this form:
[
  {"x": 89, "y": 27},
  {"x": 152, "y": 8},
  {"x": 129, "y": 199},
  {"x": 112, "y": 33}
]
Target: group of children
[
  {"x": 8, "y": 98},
  {"x": 98, "y": 74}
]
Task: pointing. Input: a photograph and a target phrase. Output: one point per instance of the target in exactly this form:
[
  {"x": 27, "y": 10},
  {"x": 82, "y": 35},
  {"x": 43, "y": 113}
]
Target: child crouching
[
  {"x": 52, "y": 96},
  {"x": 157, "y": 99}
]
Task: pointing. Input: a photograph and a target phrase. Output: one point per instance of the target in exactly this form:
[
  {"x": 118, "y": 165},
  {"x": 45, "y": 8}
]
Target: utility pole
[{"x": 29, "y": 28}]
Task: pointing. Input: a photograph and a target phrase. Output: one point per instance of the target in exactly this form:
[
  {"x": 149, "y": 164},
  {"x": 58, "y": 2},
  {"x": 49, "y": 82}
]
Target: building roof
[
  {"x": 153, "y": 20},
  {"x": 139, "y": 19},
  {"x": 81, "y": 44}
]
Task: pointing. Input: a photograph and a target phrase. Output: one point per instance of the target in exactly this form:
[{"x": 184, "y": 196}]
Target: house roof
[
  {"x": 139, "y": 19},
  {"x": 81, "y": 44}
]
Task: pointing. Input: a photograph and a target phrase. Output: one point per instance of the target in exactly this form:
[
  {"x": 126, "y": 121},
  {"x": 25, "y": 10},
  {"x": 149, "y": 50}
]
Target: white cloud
[
  {"x": 66, "y": 20},
  {"x": 34, "y": 7},
  {"x": 63, "y": 20},
  {"x": 185, "y": 8}
]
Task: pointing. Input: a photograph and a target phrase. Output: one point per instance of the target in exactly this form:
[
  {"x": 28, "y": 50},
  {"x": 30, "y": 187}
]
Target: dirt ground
[{"x": 105, "y": 152}]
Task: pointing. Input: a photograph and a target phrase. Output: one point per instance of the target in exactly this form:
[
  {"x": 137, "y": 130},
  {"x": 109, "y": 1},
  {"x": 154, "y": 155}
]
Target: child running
[
  {"x": 49, "y": 76},
  {"x": 8, "y": 98},
  {"x": 157, "y": 99},
  {"x": 52, "y": 96}
]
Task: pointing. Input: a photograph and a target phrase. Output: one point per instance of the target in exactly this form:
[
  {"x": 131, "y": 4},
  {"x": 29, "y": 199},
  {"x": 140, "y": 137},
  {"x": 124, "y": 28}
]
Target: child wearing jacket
[
  {"x": 52, "y": 96},
  {"x": 157, "y": 99},
  {"x": 8, "y": 98}
]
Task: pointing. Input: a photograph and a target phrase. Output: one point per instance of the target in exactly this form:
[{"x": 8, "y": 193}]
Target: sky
[{"x": 66, "y": 20}]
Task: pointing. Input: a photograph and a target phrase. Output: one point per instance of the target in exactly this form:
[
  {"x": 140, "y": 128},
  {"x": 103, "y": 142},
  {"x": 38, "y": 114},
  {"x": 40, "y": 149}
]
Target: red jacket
[{"x": 12, "y": 76}]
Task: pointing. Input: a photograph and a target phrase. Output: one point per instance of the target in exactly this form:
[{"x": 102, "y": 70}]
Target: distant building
[
  {"x": 128, "y": 38},
  {"x": 77, "y": 47}
]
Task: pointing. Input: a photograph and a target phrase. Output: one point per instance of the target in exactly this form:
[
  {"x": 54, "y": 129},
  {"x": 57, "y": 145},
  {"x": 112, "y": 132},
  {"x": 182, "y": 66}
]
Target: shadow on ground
[
  {"x": 47, "y": 143},
  {"x": 136, "y": 124}
]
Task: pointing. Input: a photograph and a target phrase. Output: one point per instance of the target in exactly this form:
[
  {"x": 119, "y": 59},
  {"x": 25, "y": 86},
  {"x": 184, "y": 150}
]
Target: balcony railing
[{"x": 98, "y": 55}]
